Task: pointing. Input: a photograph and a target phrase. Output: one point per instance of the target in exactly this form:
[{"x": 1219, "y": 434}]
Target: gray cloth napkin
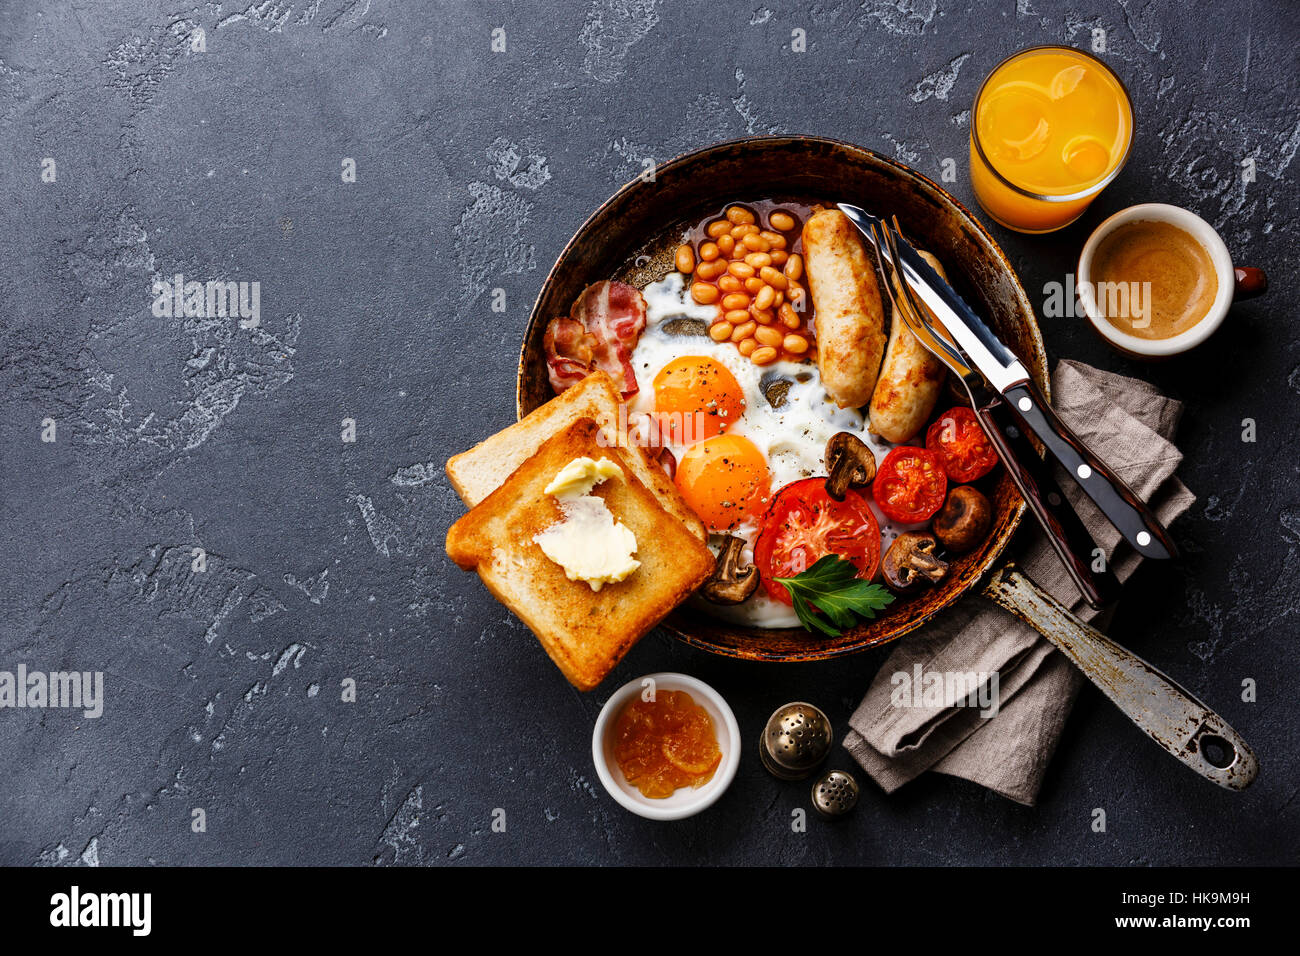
[{"x": 1129, "y": 425}]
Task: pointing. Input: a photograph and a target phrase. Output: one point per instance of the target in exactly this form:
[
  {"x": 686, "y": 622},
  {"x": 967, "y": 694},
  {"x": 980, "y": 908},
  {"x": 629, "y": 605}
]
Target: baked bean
[
  {"x": 758, "y": 260},
  {"x": 726, "y": 244},
  {"x": 773, "y": 240},
  {"x": 756, "y": 243},
  {"x": 737, "y": 316},
  {"x": 795, "y": 344},
  {"x": 739, "y": 215},
  {"x": 703, "y": 293},
  {"x": 765, "y": 355},
  {"x": 753, "y": 284},
  {"x": 685, "y": 259},
  {"x": 762, "y": 316},
  {"x": 729, "y": 283},
  {"x": 743, "y": 331},
  {"x": 709, "y": 251},
  {"x": 779, "y": 257},
  {"x": 743, "y": 230},
  {"x": 782, "y": 220},
  {"x": 779, "y": 300},
  {"x": 736, "y": 300},
  {"x": 796, "y": 296},
  {"x": 794, "y": 266},
  {"x": 746, "y": 347},
  {"x": 789, "y": 318},
  {"x": 764, "y": 298},
  {"x": 717, "y": 228},
  {"x": 720, "y": 331},
  {"x": 741, "y": 270},
  {"x": 773, "y": 278},
  {"x": 769, "y": 336},
  {"x": 710, "y": 270}
]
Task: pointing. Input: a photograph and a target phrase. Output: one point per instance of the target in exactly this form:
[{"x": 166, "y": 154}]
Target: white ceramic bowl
[
  {"x": 686, "y": 801},
  {"x": 1203, "y": 233}
]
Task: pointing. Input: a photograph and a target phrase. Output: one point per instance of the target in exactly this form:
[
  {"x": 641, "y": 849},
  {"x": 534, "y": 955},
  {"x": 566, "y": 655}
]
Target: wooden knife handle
[
  {"x": 1122, "y": 508},
  {"x": 1033, "y": 477}
]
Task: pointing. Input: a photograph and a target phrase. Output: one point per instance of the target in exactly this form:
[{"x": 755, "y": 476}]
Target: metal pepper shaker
[
  {"x": 795, "y": 741},
  {"x": 835, "y": 794}
]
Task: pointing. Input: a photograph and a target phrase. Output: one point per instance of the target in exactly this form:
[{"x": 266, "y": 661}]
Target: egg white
[{"x": 791, "y": 439}]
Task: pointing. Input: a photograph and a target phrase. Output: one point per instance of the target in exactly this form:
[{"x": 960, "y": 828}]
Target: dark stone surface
[{"x": 325, "y": 559}]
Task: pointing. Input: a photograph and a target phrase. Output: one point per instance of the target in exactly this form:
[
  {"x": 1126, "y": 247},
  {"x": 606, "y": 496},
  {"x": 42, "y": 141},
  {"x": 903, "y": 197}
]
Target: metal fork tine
[
  {"x": 894, "y": 234},
  {"x": 911, "y": 312},
  {"x": 913, "y": 308}
]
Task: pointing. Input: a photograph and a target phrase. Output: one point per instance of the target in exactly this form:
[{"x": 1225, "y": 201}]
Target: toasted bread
[
  {"x": 476, "y": 473},
  {"x": 585, "y": 632}
]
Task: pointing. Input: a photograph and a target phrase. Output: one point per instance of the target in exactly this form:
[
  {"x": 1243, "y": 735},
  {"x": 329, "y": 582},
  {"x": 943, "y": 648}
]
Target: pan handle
[{"x": 1166, "y": 712}]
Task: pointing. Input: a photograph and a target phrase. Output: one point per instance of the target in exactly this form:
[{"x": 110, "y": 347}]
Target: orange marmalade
[{"x": 666, "y": 743}]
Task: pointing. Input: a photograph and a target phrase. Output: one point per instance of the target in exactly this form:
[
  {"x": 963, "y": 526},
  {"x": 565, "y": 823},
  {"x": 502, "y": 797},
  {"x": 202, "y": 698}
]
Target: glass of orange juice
[{"x": 1051, "y": 127}]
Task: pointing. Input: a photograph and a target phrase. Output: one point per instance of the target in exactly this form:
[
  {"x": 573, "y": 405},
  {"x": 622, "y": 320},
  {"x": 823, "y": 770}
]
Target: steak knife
[{"x": 1006, "y": 375}]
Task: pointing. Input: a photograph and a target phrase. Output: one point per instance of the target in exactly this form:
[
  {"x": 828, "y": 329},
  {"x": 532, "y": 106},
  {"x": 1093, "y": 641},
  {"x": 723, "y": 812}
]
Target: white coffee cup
[{"x": 1234, "y": 283}]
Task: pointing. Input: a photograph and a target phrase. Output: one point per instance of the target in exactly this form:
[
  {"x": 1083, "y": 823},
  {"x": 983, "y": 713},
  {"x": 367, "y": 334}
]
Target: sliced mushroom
[
  {"x": 731, "y": 583},
  {"x": 775, "y": 389},
  {"x": 911, "y": 561},
  {"x": 964, "y": 520},
  {"x": 849, "y": 464},
  {"x": 686, "y": 327}
]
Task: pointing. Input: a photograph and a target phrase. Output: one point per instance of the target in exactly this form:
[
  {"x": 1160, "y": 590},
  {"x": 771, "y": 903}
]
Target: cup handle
[{"x": 1248, "y": 282}]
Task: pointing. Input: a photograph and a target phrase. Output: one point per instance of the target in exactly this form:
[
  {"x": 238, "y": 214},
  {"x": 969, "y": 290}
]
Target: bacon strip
[
  {"x": 601, "y": 331},
  {"x": 569, "y": 351}
]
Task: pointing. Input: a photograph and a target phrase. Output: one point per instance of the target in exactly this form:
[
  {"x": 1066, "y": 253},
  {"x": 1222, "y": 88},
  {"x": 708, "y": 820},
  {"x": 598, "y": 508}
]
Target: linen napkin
[{"x": 1129, "y": 425}]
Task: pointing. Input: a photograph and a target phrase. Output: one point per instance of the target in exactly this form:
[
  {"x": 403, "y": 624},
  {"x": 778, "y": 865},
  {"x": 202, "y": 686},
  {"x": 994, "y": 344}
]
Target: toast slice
[
  {"x": 476, "y": 473},
  {"x": 585, "y": 632}
]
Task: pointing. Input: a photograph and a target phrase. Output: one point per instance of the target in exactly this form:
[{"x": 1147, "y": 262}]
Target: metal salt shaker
[
  {"x": 835, "y": 794},
  {"x": 795, "y": 741}
]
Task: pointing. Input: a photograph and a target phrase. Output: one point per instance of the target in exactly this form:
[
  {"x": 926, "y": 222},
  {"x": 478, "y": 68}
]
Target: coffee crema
[{"x": 1153, "y": 280}]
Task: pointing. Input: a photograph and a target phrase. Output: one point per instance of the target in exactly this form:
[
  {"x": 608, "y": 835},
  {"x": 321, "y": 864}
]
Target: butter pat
[
  {"x": 588, "y": 543},
  {"x": 579, "y": 476}
]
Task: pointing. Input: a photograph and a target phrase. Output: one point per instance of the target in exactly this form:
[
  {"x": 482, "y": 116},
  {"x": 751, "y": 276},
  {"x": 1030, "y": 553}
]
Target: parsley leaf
[{"x": 833, "y": 588}]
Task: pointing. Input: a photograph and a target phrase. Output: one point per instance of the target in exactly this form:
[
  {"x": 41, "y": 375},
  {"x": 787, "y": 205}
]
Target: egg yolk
[
  {"x": 696, "y": 398},
  {"x": 725, "y": 481}
]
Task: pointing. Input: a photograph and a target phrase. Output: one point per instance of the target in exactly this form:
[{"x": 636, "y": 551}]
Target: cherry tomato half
[
  {"x": 960, "y": 442},
  {"x": 804, "y": 523},
  {"x": 910, "y": 485}
]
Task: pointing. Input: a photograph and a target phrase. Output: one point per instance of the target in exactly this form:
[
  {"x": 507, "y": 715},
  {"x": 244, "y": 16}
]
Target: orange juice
[{"x": 1050, "y": 128}]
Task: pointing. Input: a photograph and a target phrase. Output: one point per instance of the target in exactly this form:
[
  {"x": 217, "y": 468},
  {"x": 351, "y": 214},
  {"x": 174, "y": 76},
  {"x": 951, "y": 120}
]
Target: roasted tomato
[
  {"x": 960, "y": 442},
  {"x": 804, "y": 524},
  {"x": 910, "y": 485}
]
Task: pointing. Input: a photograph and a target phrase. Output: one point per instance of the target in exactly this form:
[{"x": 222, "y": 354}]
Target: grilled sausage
[
  {"x": 849, "y": 314},
  {"x": 909, "y": 382}
]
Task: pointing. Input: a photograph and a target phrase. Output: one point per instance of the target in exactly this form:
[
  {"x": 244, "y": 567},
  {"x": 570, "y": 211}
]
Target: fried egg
[{"x": 708, "y": 405}]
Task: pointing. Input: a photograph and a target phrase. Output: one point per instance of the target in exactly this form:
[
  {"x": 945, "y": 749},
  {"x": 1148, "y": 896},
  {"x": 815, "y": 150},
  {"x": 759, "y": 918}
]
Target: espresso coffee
[{"x": 1153, "y": 280}]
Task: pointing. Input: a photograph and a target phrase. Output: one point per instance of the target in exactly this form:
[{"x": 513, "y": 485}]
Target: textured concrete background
[{"x": 325, "y": 558}]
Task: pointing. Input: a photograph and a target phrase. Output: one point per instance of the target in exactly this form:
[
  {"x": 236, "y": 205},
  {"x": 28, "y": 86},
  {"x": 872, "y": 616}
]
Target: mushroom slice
[
  {"x": 911, "y": 561},
  {"x": 964, "y": 520},
  {"x": 849, "y": 464},
  {"x": 686, "y": 327},
  {"x": 731, "y": 583},
  {"x": 775, "y": 389}
]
